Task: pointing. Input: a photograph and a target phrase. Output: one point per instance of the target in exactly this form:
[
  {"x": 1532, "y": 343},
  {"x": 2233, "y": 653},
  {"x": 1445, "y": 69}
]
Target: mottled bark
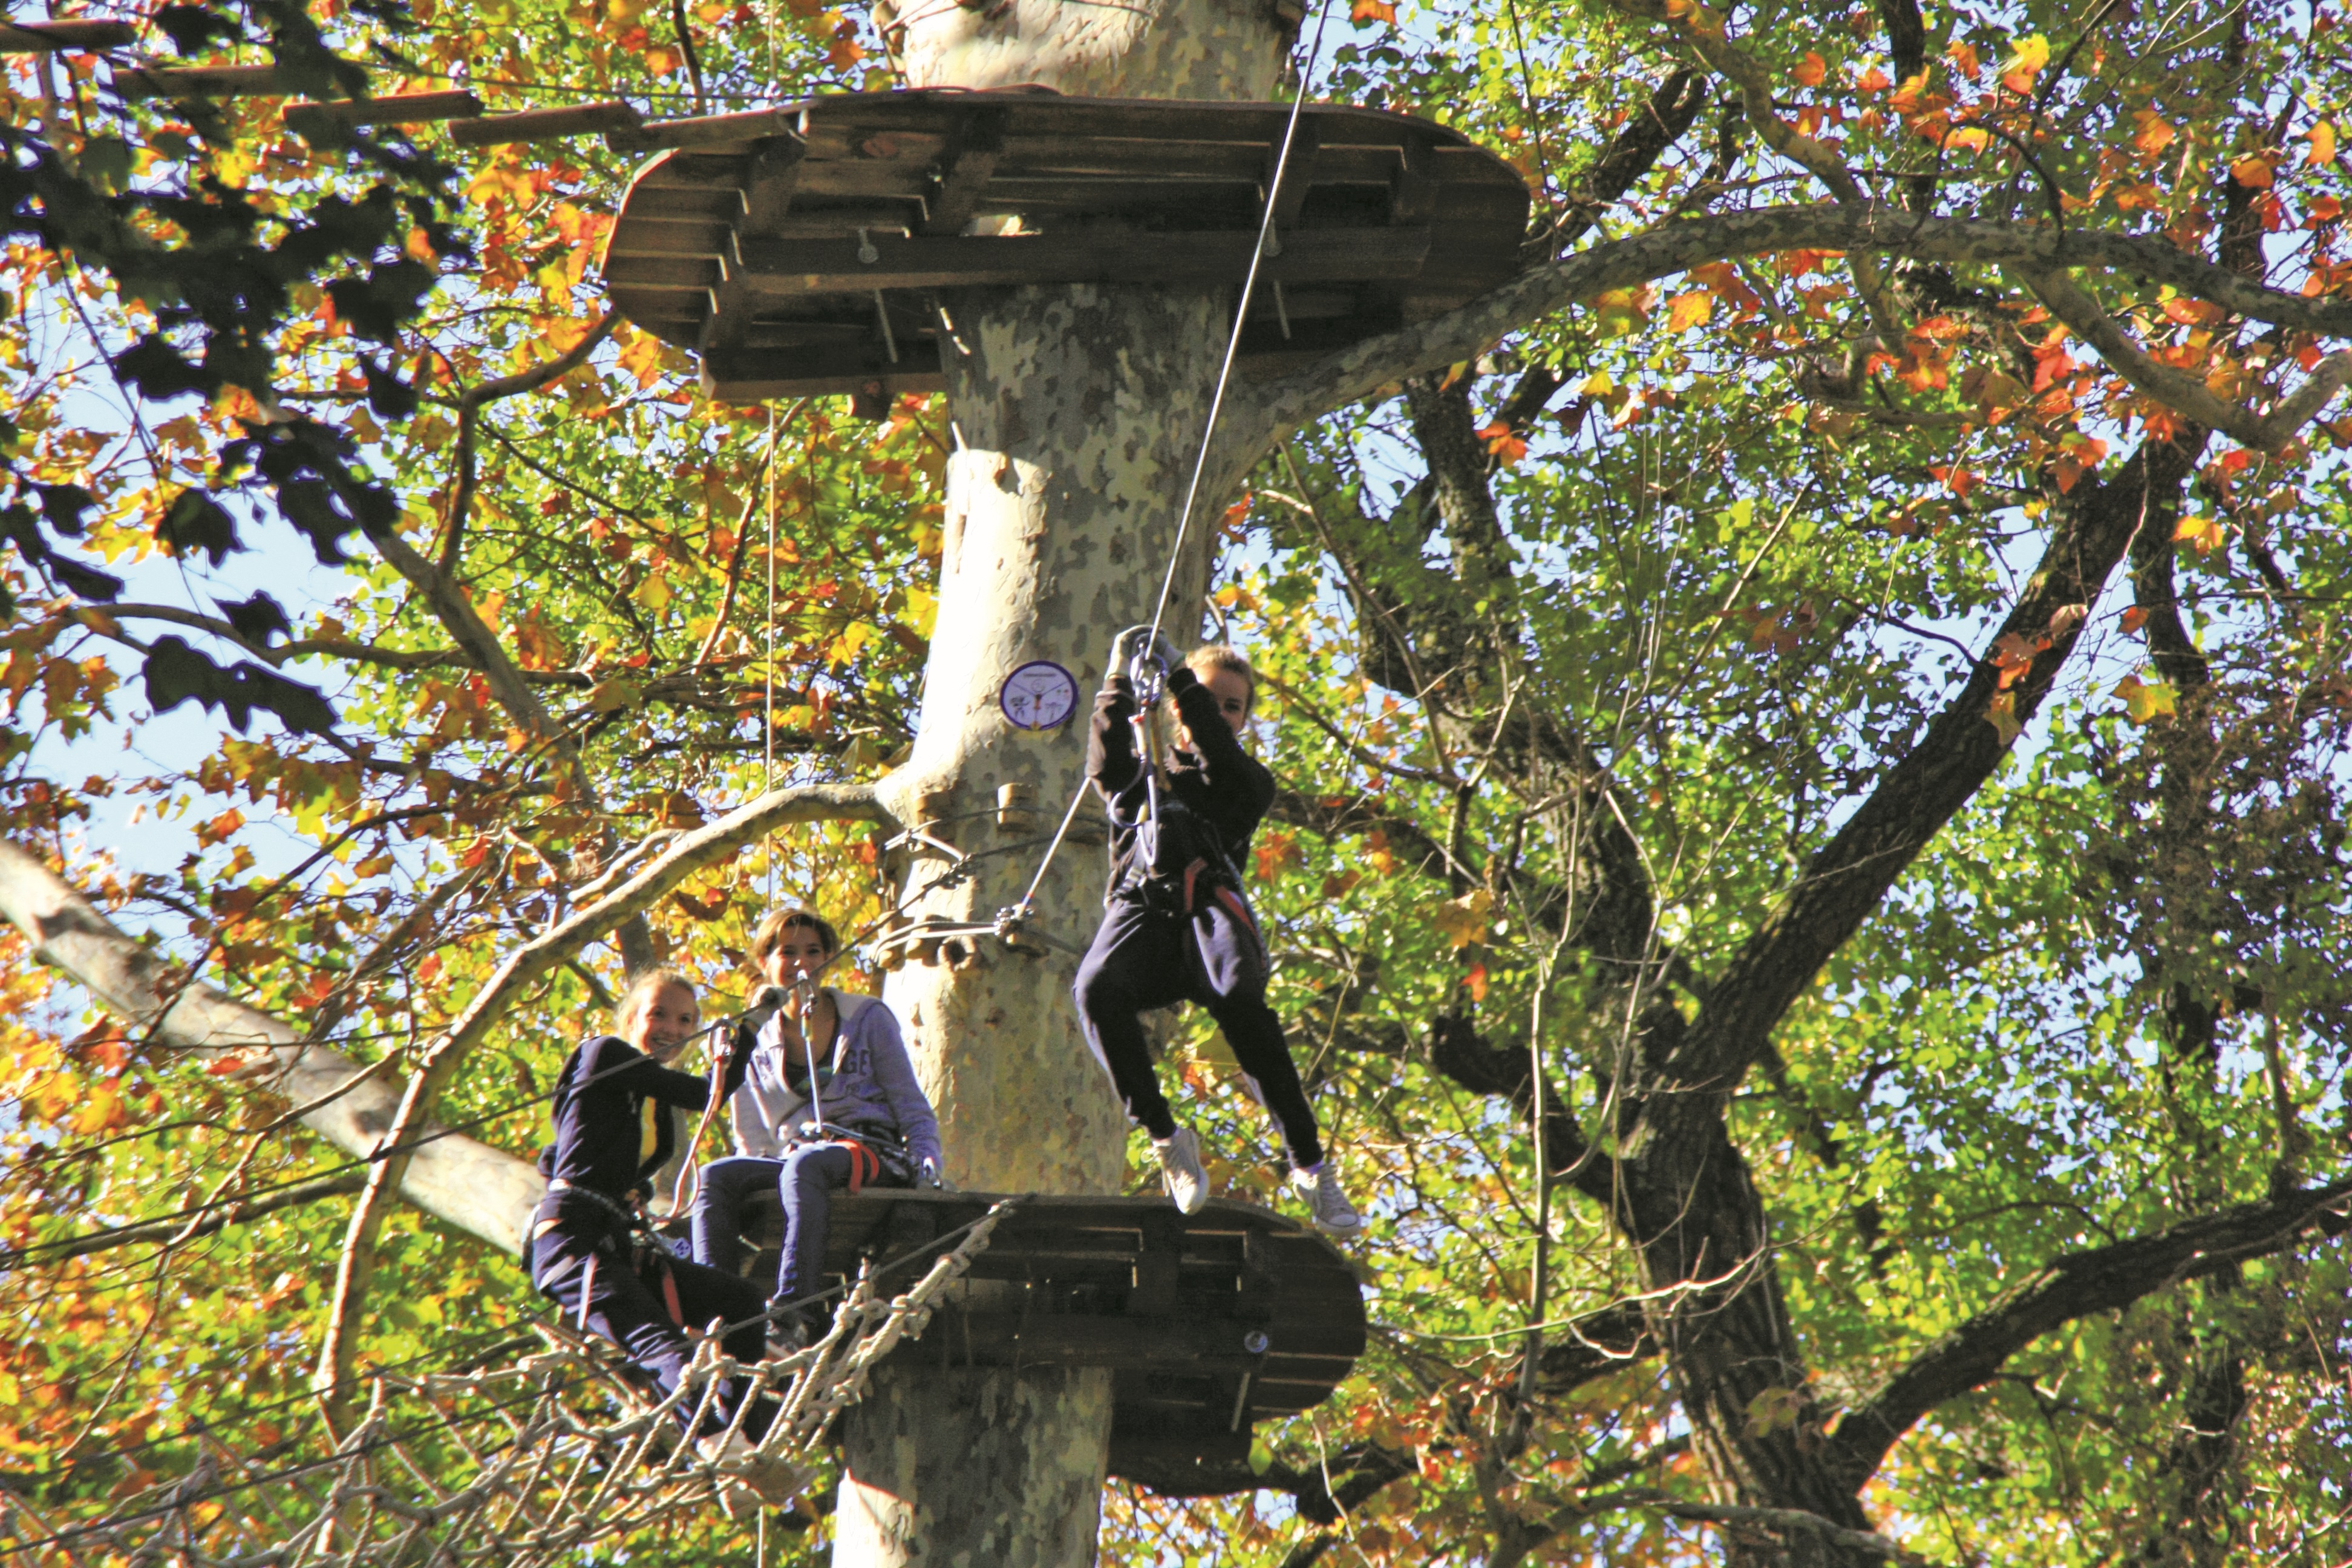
[{"x": 1076, "y": 412}]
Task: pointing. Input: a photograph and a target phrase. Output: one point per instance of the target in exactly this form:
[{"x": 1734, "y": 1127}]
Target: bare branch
[
  {"x": 469, "y": 416},
  {"x": 233, "y": 1211},
  {"x": 2076, "y": 1286}
]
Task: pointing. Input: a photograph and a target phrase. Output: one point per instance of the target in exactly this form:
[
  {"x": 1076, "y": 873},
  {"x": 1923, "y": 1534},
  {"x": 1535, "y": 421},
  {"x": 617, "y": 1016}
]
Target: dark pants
[
  {"x": 722, "y": 1188},
  {"x": 629, "y": 1311},
  {"x": 811, "y": 1172},
  {"x": 1141, "y": 959}
]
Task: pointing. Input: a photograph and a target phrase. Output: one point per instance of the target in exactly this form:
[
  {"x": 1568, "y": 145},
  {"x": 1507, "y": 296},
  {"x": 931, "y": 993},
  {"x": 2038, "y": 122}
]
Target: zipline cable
[{"x": 1241, "y": 314}]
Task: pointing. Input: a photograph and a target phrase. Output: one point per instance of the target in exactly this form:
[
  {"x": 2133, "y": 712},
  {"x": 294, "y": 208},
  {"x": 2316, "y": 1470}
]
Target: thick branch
[
  {"x": 2103, "y": 1280},
  {"x": 1703, "y": 34},
  {"x": 2186, "y": 394},
  {"x": 1847, "y": 877},
  {"x": 480, "y": 1190},
  {"x": 1285, "y": 405}
]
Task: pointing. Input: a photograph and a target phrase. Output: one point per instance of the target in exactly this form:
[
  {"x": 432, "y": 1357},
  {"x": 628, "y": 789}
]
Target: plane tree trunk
[{"x": 1076, "y": 412}]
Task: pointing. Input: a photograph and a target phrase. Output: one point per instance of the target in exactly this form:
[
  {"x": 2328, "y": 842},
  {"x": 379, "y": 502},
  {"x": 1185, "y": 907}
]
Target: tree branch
[
  {"x": 482, "y": 1191},
  {"x": 1847, "y": 877},
  {"x": 2103, "y": 1280},
  {"x": 2186, "y": 394},
  {"x": 469, "y": 416},
  {"x": 1285, "y": 404},
  {"x": 235, "y": 1211},
  {"x": 523, "y": 968}
]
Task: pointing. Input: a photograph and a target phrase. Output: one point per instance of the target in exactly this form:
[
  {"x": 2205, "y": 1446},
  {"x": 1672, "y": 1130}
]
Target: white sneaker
[
  {"x": 1319, "y": 1190},
  {"x": 1180, "y": 1170}
]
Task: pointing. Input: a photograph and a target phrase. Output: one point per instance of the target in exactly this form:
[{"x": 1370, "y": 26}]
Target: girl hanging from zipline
[
  {"x": 1176, "y": 926},
  {"x": 590, "y": 1248},
  {"x": 823, "y": 1097}
]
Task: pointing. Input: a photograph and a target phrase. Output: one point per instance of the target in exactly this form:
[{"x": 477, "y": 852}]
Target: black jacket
[
  {"x": 1225, "y": 787},
  {"x": 600, "y": 1116}
]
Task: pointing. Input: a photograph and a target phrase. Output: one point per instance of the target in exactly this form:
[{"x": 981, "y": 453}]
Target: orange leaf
[
  {"x": 2322, "y": 145},
  {"x": 1687, "y": 311},
  {"x": 1504, "y": 442},
  {"x": 1873, "y": 80},
  {"x": 1812, "y": 69},
  {"x": 2254, "y": 171},
  {"x": 1364, "y": 11},
  {"x": 2135, "y": 618},
  {"x": 2155, "y": 133},
  {"x": 1476, "y": 980}
]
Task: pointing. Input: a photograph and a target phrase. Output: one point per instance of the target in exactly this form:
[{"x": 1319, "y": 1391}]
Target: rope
[
  {"x": 1233, "y": 341},
  {"x": 558, "y": 1483}
]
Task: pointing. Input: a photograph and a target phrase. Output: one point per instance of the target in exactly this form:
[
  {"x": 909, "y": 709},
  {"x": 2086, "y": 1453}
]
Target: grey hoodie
[{"x": 872, "y": 1084}]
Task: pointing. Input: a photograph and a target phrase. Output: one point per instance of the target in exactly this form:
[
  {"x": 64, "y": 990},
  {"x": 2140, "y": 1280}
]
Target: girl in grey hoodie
[{"x": 862, "y": 1121}]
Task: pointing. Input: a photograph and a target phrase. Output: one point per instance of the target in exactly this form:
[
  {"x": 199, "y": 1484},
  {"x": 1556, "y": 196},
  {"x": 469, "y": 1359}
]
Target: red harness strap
[
  {"x": 865, "y": 1165},
  {"x": 1240, "y": 909}
]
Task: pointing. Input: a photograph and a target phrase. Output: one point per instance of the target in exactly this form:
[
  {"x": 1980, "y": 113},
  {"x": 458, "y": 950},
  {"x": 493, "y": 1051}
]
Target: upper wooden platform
[
  {"x": 804, "y": 250},
  {"x": 1210, "y": 1322}
]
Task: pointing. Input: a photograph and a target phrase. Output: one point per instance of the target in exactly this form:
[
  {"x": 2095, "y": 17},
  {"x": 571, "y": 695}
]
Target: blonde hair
[
  {"x": 770, "y": 931},
  {"x": 645, "y": 985}
]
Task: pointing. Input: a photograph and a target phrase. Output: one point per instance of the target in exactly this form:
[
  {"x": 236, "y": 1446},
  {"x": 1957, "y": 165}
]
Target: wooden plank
[
  {"x": 695, "y": 272},
  {"x": 824, "y": 267},
  {"x": 774, "y": 179},
  {"x": 709, "y": 130},
  {"x": 547, "y": 124},
  {"x": 1297, "y": 172},
  {"x": 724, "y": 202},
  {"x": 670, "y": 236},
  {"x": 313, "y": 121},
  {"x": 690, "y": 168},
  {"x": 55, "y": 38},
  {"x": 202, "y": 82}
]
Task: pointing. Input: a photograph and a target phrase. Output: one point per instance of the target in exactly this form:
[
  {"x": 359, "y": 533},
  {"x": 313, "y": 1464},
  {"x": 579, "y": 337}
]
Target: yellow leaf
[
  {"x": 1812, "y": 69},
  {"x": 2201, "y": 533},
  {"x": 100, "y": 1108},
  {"x": 2018, "y": 71},
  {"x": 653, "y": 593},
  {"x": 1463, "y": 920},
  {"x": 2002, "y": 716},
  {"x": 2144, "y": 700},
  {"x": 1968, "y": 139},
  {"x": 1687, "y": 311},
  {"x": 2323, "y": 144}
]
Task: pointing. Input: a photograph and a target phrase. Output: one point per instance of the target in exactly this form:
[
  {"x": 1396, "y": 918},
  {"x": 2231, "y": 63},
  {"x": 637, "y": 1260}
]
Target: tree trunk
[{"x": 1076, "y": 412}]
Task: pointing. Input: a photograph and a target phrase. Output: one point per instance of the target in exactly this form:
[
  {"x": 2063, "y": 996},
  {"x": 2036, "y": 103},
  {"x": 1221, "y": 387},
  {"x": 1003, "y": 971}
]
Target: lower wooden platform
[{"x": 1209, "y": 1322}]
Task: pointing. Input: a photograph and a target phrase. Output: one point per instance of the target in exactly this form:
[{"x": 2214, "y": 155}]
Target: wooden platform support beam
[
  {"x": 315, "y": 122},
  {"x": 614, "y": 116},
  {"x": 66, "y": 37}
]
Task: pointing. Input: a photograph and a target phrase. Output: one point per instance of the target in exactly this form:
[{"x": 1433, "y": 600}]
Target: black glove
[{"x": 1125, "y": 647}]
